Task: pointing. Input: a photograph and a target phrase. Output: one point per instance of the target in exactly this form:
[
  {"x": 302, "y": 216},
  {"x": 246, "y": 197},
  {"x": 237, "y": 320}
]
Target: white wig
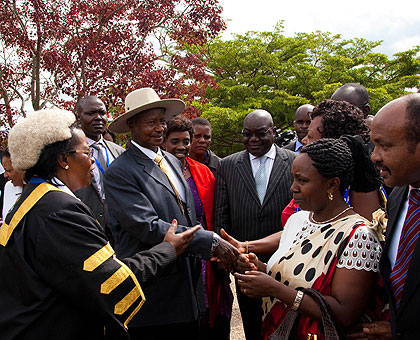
[{"x": 30, "y": 135}]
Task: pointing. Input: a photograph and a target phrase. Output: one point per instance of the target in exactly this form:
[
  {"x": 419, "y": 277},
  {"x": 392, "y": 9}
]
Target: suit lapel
[
  {"x": 95, "y": 185},
  {"x": 189, "y": 199},
  {"x": 394, "y": 205},
  {"x": 413, "y": 278},
  {"x": 275, "y": 176},
  {"x": 245, "y": 171},
  {"x": 150, "y": 167},
  {"x": 110, "y": 149}
]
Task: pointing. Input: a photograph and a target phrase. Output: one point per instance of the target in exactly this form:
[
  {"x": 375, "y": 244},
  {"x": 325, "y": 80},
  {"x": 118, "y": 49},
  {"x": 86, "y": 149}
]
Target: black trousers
[{"x": 251, "y": 312}]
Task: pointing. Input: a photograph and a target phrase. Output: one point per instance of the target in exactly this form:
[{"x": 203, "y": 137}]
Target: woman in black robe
[{"x": 60, "y": 276}]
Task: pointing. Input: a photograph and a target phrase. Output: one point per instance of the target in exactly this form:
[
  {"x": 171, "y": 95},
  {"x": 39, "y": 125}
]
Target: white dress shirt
[
  {"x": 174, "y": 178},
  {"x": 255, "y": 163},
  {"x": 97, "y": 172},
  {"x": 395, "y": 241},
  {"x": 10, "y": 196}
]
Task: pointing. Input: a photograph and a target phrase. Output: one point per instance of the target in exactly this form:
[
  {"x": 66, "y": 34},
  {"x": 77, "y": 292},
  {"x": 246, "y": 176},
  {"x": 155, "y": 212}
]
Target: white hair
[{"x": 30, "y": 135}]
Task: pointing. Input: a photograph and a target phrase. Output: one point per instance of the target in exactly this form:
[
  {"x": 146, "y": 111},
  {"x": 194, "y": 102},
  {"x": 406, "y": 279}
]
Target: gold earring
[
  {"x": 330, "y": 196},
  {"x": 66, "y": 167}
]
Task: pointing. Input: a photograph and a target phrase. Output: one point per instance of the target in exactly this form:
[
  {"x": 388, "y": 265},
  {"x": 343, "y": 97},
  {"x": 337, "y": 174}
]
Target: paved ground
[{"x": 236, "y": 328}]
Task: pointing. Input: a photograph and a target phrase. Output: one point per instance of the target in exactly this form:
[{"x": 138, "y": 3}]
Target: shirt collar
[
  {"x": 269, "y": 154},
  {"x": 59, "y": 184},
  {"x": 91, "y": 141},
  {"x": 149, "y": 153},
  {"x": 298, "y": 145}
]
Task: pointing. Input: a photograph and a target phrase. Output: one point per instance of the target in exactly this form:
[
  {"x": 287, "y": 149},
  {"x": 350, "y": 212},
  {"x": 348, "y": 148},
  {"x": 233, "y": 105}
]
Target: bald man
[
  {"x": 252, "y": 189},
  {"x": 301, "y": 125},
  {"x": 354, "y": 94}
]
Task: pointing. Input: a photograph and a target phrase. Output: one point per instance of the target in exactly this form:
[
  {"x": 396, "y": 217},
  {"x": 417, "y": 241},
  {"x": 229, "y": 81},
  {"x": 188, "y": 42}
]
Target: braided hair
[
  {"x": 346, "y": 158},
  {"x": 339, "y": 118}
]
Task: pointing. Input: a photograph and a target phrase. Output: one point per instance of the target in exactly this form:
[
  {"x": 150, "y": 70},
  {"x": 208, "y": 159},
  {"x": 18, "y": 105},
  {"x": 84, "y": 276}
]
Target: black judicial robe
[{"x": 60, "y": 278}]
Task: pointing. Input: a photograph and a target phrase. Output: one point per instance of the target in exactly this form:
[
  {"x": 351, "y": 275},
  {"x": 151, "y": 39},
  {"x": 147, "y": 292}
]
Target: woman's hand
[
  {"x": 256, "y": 284},
  {"x": 233, "y": 241},
  {"x": 247, "y": 262},
  {"x": 373, "y": 330},
  {"x": 180, "y": 241}
]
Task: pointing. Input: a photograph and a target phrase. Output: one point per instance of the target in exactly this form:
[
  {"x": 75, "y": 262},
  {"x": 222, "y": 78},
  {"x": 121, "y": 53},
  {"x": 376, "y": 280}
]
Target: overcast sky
[{"x": 397, "y": 23}]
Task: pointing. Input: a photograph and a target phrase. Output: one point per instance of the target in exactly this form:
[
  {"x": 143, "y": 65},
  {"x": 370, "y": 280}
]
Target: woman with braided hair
[
  {"x": 326, "y": 246},
  {"x": 332, "y": 119}
]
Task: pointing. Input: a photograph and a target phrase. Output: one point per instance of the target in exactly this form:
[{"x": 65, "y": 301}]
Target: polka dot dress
[{"x": 307, "y": 249}]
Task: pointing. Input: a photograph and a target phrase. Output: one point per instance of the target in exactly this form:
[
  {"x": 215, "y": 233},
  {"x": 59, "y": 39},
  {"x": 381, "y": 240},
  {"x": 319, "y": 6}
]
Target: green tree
[{"x": 277, "y": 73}]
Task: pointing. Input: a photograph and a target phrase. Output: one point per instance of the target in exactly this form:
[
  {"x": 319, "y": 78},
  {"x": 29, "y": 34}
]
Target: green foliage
[
  {"x": 267, "y": 70},
  {"x": 226, "y": 138}
]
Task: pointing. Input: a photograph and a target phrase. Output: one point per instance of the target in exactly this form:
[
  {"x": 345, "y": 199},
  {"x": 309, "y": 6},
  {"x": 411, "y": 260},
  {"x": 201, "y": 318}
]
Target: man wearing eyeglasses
[
  {"x": 252, "y": 189},
  {"x": 92, "y": 116}
]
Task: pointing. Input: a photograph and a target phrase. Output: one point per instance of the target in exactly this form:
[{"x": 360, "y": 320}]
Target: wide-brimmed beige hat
[{"x": 142, "y": 100}]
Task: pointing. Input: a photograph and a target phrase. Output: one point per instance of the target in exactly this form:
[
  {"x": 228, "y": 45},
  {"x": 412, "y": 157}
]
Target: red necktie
[{"x": 408, "y": 240}]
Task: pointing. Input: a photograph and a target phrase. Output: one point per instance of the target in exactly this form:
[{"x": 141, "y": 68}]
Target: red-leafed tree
[{"x": 57, "y": 51}]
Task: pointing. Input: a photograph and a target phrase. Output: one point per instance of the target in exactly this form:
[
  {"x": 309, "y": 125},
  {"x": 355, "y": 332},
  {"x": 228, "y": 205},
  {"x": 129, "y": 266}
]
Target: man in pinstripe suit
[{"x": 249, "y": 200}]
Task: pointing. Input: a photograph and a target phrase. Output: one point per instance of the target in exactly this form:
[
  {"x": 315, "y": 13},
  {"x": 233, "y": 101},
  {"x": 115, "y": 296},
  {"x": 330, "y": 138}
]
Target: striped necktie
[
  {"x": 100, "y": 153},
  {"x": 261, "y": 179},
  {"x": 408, "y": 240},
  {"x": 103, "y": 165},
  {"x": 159, "y": 159}
]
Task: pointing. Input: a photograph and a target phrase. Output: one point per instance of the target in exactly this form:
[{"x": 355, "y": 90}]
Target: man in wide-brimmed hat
[{"x": 146, "y": 190}]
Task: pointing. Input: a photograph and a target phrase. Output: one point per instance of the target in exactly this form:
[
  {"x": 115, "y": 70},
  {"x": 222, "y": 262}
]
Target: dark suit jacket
[
  {"x": 405, "y": 322},
  {"x": 237, "y": 207},
  {"x": 142, "y": 203},
  {"x": 90, "y": 195},
  {"x": 291, "y": 146},
  {"x": 212, "y": 161}
]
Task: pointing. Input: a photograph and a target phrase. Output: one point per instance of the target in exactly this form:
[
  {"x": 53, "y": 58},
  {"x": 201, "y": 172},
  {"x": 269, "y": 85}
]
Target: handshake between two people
[
  {"x": 225, "y": 253},
  {"x": 230, "y": 253}
]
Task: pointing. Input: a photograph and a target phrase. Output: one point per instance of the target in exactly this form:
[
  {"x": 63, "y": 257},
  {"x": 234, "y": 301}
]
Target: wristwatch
[{"x": 215, "y": 243}]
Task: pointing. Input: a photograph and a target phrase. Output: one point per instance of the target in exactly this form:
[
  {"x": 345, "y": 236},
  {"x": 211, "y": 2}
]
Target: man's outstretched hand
[
  {"x": 180, "y": 241},
  {"x": 227, "y": 254}
]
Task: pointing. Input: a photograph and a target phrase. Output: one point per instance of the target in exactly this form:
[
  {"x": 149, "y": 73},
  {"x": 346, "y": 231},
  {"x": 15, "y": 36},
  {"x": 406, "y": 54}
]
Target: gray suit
[
  {"x": 238, "y": 210},
  {"x": 291, "y": 146},
  {"x": 405, "y": 322},
  {"x": 90, "y": 195},
  {"x": 142, "y": 203}
]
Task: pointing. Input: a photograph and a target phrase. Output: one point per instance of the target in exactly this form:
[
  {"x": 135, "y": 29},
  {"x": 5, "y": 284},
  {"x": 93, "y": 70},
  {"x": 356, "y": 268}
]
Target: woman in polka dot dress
[{"x": 326, "y": 246}]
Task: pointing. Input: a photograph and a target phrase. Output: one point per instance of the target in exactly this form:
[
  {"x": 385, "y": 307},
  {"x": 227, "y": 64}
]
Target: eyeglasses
[
  {"x": 259, "y": 134},
  {"x": 363, "y": 105},
  {"x": 86, "y": 152}
]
